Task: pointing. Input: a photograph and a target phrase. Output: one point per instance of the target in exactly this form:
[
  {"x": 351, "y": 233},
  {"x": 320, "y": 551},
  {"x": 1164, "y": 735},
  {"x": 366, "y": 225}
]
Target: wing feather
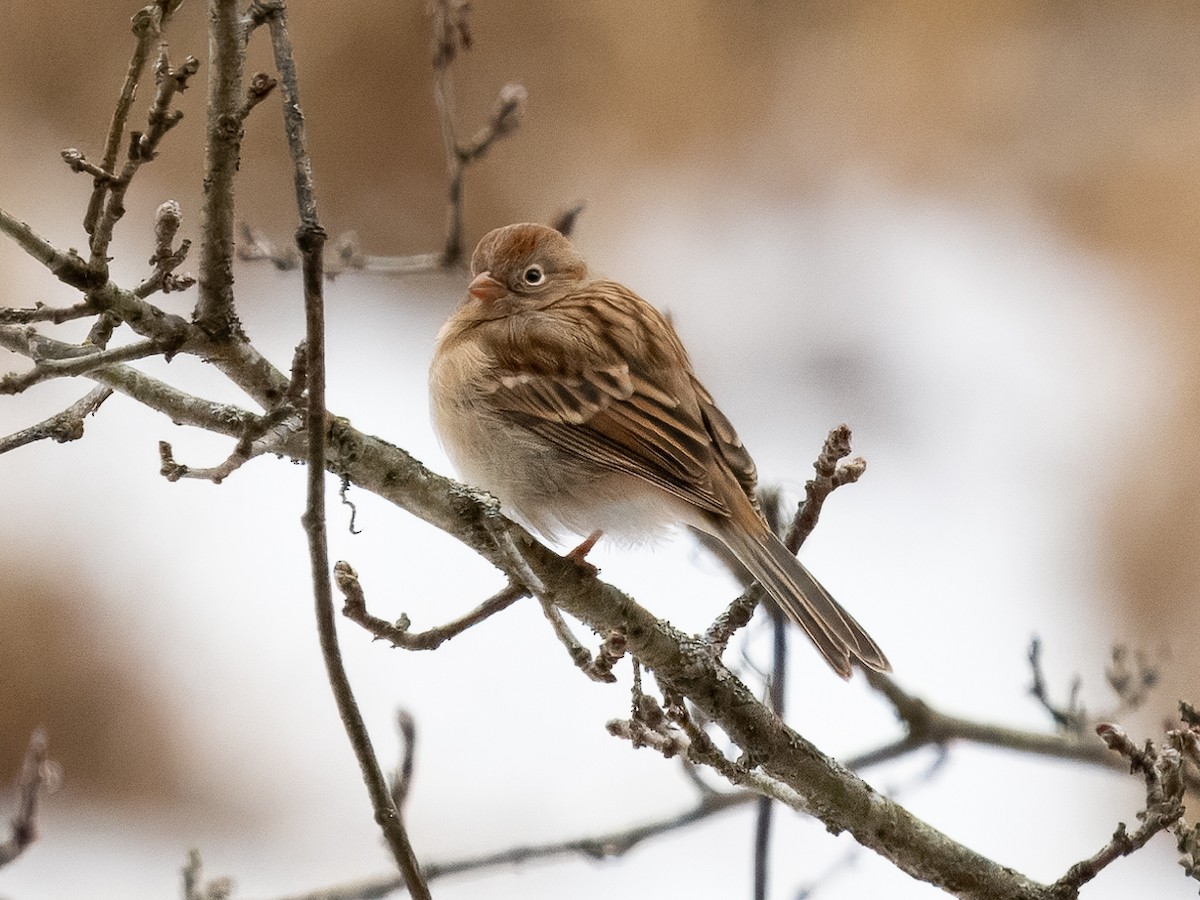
[{"x": 615, "y": 402}]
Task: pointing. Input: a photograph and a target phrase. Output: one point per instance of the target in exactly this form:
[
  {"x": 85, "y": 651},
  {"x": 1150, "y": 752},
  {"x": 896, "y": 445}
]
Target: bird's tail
[{"x": 840, "y": 639}]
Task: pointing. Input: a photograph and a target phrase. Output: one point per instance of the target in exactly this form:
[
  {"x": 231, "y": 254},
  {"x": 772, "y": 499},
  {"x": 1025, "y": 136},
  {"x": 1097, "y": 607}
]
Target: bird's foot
[{"x": 579, "y": 554}]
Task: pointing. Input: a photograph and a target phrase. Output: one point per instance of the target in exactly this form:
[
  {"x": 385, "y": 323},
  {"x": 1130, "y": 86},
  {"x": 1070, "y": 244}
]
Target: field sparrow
[{"x": 573, "y": 401}]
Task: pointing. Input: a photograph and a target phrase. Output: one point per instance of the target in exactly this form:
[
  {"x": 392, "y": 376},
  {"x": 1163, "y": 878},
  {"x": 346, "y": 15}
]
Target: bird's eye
[{"x": 534, "y": 275}]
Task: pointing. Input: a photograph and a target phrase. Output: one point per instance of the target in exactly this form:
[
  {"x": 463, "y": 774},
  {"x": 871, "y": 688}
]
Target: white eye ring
[{"x": 534, "y": 275}]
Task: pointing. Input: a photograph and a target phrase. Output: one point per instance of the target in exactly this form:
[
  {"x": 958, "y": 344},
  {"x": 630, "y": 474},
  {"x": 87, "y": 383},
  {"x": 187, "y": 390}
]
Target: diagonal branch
[
  {"x": 81, "y": 364},
  {"x": 238, "y": 360},
  {"x": 143, "y": 147},
  {"x": 398, "y": 634},
  {"x": 831, "y": 474},
  {"x": 179, "y": 406},
  {"x": 1161, "y": 770},
  {"x": 147, "y": 27},
  {"x": 61, "y": 427}
]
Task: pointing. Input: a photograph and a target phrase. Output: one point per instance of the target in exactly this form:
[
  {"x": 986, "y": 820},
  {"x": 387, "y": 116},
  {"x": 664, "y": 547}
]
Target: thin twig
[
  {"x": 831, "y": 474},
  {"x": 1072, "y": 718},
  {"x": 178, "y": 406},
  {"x": 452, "y": 35},
  {"x": 257, "y": 14},
  {"x": 402, "y": 778},
  {"x": 926, "y": 725},
  {"x": 68, "y": 267},
  {"x": 147, "y": 27},
  {"x": 611, "y": 651},
  {"x": 237, "y": 360},
  {"x": 194, "y": 885},
  {"x": 44, "y": 369},
  {"x": 404, "y": 265},
  {"x": 61, "y": 427},
  {"x": 564, "y": 222},
  {"x": 261, "y": 85},
  {"x": 1133, "y": 676},
  {"x": 594, "y": 847},
  {"x": 268, "y": 434},
  {"x": 310, "y": 239},
  {"x": 1164, "y": 804},
  {"x": 398, "y": 634},
  {"x": 254, "y": 244},
  {"x": 143, "y": 147},
  {"x": 166, "y": 259},
  {"x": 37, "y": 776},
  {"x": 42, "y": 313}
]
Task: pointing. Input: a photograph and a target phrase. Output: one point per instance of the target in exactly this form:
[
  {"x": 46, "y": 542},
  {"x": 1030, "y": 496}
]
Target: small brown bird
[{"x": 573, "y": 401}]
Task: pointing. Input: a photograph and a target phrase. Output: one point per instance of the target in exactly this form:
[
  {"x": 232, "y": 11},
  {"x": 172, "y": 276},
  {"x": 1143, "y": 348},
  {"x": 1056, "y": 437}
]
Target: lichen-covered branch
[
  {"x": 215, "y": 312},
  {"x": 61, "y": 427}
]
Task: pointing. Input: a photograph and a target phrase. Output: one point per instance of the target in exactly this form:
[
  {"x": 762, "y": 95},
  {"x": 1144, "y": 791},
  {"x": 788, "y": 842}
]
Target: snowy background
[{"x": 1001, "y": 366}]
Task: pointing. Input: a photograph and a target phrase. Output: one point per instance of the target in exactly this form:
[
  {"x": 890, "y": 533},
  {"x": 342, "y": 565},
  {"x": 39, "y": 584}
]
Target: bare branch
[
  {"x": 610, "y": 652},
  {"x": 147, "y": 27},
  {"x": 503, "y": 120},
  {"x": 257, "y": 14},
  {"x": 143, "y": 147},
  {"x": 215, "y": 312},
  {"x": 68, "y": 267},
  {"x": 42, "y": 313},
  {"x": 1164, "y": 804},
  {"x": 1072, "y": 718},
  {"x": 776, "y": 695},
  {"x": 61, "y": 427},
  {"x": 310, "y": 239},
  {"x": 595, "y": 847},
  {"x": 926, "y": 726},
  {"x": 402, "y": 777},
  {"x": 648, "y": 725},
  {"x": 268, "y": 434},
  {"x": 1132, "y": 675},
  {"x": 452, "y": 34},
  {"x": 579, "y": 654},
  {"x": 261, "y": 85},
  {"x": 180, "y": 407},
  {"x": 79, "y": 163},
  {"x": 831, "y": 474},
  {"x": 194, "y": 886},
  {"x": 255, "y": 244},
  {"x": 82, "y": 364},
  {"x": 398, "y": 634},
  {"x": 166, "y": 259},
  {"x": 237, "y": 360},
  {"x": 404, "y": 265},
  {"x": 38, "y": 775}
]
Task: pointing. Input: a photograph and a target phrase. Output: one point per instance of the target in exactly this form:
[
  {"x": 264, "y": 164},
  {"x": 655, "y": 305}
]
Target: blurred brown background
[{"x": 1087, "y": 114}]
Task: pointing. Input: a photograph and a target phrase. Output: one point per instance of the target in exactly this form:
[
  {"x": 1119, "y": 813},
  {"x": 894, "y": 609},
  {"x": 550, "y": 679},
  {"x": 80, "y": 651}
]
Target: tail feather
[{"x": 840, "y": 639}]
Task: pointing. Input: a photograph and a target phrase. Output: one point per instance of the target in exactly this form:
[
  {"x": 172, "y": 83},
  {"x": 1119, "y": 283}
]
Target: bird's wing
[
  {"x": 614, "y": 386},
  {"x": 727, "y": 444}
]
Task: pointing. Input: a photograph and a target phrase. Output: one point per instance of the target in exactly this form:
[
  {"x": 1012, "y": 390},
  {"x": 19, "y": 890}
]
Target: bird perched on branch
[{"x": 573, "y": 401}]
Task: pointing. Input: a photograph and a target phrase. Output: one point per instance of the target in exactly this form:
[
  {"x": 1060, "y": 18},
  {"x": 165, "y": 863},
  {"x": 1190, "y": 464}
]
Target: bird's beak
[{"x": 485, "y": 287}]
